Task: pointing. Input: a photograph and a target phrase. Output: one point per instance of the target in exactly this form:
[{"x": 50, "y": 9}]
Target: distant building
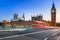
[
  {"x": 37, "y": 18},
  {"x": 16, "y": 18},
  {"x": 4, "y": 21},
  {"x": 53, "y": 15},
  {"x": 18, "y": 21}
]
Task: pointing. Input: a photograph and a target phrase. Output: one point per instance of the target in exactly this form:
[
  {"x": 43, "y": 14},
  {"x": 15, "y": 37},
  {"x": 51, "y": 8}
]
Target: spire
[
  {"x": 53, "y": 6},
  {"x": 23, "y": 16}
]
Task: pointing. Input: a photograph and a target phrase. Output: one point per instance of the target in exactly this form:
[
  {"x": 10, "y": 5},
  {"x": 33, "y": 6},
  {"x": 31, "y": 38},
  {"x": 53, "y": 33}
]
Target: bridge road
[{"x": 46, "y": 34}]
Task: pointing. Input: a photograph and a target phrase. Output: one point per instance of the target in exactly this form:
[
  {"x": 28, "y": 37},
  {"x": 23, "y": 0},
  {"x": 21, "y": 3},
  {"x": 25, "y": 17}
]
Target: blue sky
[{"x": 29, "y": 8}]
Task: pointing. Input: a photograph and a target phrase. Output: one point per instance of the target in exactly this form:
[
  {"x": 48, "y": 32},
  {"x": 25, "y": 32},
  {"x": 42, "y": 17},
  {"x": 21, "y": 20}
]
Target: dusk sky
[{"x": 29, "y": 8}]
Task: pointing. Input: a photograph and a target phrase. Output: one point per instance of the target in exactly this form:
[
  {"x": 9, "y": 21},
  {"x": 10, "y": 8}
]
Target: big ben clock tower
[{"x": 53, "y": 16}]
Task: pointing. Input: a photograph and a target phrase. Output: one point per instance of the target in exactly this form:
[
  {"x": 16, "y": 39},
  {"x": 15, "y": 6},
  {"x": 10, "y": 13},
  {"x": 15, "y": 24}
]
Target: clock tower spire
[{"x": 53, "y": 15}]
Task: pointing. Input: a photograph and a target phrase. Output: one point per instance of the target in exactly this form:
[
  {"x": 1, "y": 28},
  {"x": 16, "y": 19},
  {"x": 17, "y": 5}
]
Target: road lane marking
[
  {"x": 46, "y": 38},
  {"x": 25, "y": 34},
  {"x": 10, "y": 37},
  {"x": 58, "y": 38},
  {"x": 55, "y": 32}
]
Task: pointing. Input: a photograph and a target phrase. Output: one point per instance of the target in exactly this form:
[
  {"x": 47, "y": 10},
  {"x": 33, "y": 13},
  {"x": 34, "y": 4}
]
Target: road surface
[{"x": 36, "y": 34}]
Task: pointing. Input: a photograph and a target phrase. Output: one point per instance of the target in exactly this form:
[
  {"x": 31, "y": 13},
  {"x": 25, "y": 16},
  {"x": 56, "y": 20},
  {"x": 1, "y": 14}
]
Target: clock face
[{"x": 52, "y": 11}]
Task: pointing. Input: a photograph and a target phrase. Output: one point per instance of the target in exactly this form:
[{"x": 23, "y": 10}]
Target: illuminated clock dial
[{"x": 52, "y": 11}]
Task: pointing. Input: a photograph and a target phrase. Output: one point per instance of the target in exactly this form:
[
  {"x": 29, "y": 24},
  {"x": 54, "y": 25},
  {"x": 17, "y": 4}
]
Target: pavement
[{"x": 33, "y": 34}]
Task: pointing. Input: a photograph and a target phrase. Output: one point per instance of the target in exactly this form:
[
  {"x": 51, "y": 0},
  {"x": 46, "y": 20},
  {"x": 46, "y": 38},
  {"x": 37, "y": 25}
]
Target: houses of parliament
[{"x": 16, "y": 21}]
